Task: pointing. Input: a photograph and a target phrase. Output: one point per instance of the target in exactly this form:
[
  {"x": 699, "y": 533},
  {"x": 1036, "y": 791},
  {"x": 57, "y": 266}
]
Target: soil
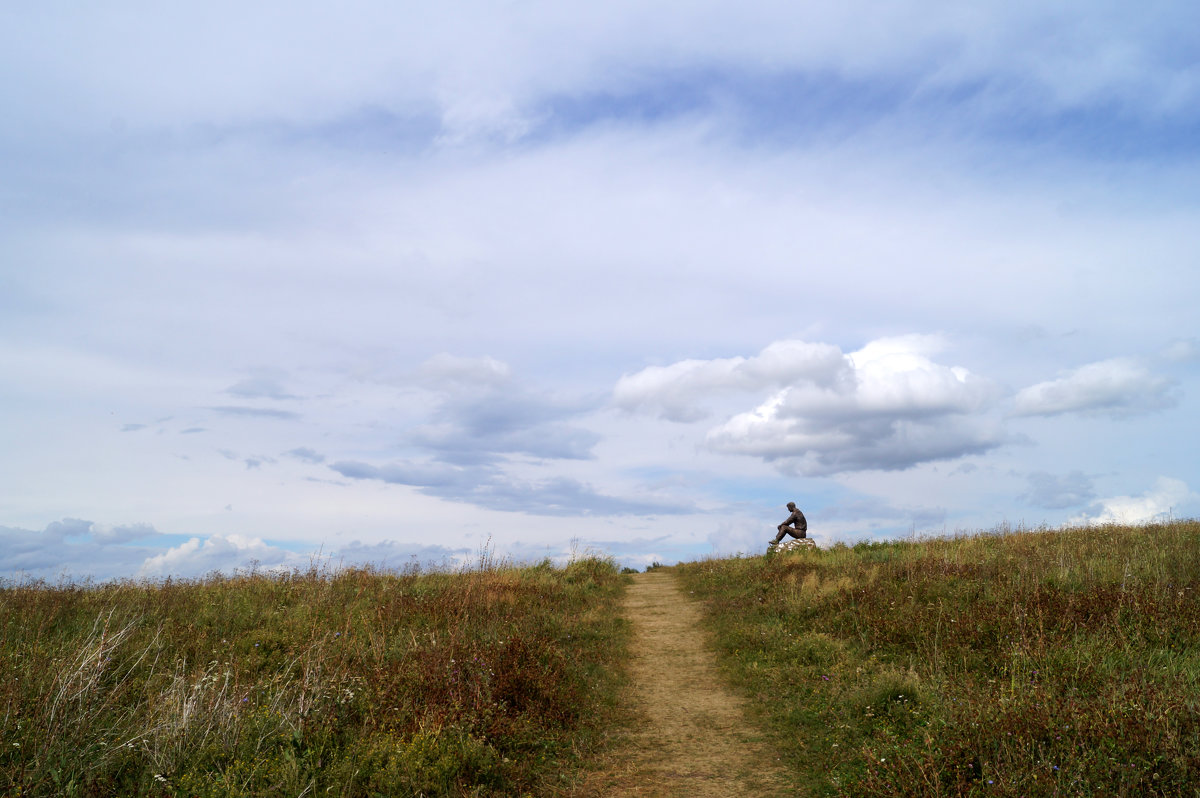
[{"x": 692, "y": 737}]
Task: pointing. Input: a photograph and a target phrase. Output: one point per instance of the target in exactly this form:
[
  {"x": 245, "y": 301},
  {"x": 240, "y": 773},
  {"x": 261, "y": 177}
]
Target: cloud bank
[{"x": 73, "y": 549}]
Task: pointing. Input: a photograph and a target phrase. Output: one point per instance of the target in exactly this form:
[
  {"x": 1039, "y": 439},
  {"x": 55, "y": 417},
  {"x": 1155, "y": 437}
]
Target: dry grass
[
  {"x": 490, "y": 681},
  {"x": 1016, "y": 663}
]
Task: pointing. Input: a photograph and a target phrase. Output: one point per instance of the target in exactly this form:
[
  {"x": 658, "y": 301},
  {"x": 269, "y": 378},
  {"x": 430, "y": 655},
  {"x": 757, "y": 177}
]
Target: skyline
[{"x": 392, "y": 284}]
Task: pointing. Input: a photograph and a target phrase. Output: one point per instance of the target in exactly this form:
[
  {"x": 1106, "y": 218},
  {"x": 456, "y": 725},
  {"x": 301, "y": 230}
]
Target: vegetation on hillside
[
  {"x": 491, "y": 681},
  {"x": 1015, "y": 663}
]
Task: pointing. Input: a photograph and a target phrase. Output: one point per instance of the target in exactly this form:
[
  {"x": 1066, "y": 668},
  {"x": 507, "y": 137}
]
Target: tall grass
[
  {"x": 1014, "y": 663},
  {"x": 493, "y": 681}
]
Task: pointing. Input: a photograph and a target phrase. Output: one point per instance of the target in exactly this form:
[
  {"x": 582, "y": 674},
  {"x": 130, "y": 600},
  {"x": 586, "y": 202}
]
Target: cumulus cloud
[
  {"x": 677, "y": 392},
  {"x": 885, "y": 406},
  {"x": 1058, "y": 492},
  {"x": 1156, "y": 504},
  {"x": 1116, "y": 387},
  {"x": 225, "y": 553}
]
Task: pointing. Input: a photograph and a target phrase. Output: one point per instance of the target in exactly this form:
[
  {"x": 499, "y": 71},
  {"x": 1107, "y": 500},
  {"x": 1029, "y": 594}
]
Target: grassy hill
[
  {"x": 492, "y": 681},
  {"x": 1016, "y": 663}
]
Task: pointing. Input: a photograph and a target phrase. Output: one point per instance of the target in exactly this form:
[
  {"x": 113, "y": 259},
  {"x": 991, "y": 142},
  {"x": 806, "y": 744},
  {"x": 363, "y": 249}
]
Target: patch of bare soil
[{"x": 692, "y": 738}]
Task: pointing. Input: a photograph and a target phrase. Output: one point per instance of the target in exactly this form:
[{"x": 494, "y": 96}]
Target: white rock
[{"x": 795, "y": 545}]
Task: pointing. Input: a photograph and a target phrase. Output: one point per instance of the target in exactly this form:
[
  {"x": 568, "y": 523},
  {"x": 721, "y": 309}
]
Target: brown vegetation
[{"x": 492, "y": 681}]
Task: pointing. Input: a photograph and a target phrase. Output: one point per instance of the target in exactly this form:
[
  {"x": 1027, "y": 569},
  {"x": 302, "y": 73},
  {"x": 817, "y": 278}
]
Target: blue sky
[{"x": 386, "y": 283}]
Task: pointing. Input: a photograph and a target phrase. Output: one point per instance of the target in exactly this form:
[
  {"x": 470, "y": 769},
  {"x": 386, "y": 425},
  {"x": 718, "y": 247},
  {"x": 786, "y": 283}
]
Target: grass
[
  {"x": 497, "y": 680},
  {"x": 1014, "y": 663}
]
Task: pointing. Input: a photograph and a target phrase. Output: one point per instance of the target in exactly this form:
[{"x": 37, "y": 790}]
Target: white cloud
[
  {"x": 1159, "y": 503},
  {"x": 1118, "y": 387},
  {"x": 224, "y": 553},
  {"x": 678, "y": 391},
  {"x": 885, "y": 406}
]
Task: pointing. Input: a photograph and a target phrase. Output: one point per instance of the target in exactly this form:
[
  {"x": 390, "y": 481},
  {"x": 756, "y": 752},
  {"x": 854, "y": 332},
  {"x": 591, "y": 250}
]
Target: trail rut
[{"x": 692, "y": 738}]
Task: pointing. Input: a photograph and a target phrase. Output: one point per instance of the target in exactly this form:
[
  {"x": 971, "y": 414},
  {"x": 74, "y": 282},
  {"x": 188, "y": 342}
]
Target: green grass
[
  {"x": 1014, "y": 663},
  {"x": 496, "y": 680}
]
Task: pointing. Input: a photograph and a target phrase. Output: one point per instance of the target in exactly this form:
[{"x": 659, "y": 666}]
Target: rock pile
[{"x": 795, "y": 545}]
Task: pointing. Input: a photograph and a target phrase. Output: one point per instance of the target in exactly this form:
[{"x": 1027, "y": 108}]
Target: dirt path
[{"x": 694, "y": 740}]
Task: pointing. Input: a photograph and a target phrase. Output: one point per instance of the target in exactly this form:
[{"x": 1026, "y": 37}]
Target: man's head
[{"x": 791, "y": 506}]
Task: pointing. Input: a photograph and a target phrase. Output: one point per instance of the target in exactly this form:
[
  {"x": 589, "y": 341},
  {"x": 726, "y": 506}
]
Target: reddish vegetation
[{"x": 492, "y": 681}]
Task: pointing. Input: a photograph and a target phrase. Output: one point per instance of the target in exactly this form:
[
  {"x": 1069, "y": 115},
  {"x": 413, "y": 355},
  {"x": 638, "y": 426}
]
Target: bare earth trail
[{"x": 692, "y": 738}]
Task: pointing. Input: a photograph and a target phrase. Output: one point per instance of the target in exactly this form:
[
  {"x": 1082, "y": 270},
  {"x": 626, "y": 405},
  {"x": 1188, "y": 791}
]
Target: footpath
[{"x": 691, "y": 737}]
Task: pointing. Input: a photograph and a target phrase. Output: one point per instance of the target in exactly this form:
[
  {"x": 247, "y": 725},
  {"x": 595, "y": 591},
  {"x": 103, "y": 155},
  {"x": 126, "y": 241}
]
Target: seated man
[{"x": 795, "y": 525}]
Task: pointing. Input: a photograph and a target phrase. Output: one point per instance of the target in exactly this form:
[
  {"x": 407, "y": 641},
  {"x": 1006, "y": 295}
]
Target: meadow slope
[
  {"x": 493, "y": 681},
  {"x": 1014, "y": 663}
]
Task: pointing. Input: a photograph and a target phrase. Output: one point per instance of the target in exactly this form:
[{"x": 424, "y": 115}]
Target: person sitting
[{"x": 795, "y": 525}]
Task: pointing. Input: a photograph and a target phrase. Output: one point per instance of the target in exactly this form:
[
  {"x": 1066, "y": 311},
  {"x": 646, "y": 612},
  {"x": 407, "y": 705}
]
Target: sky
[{"x": 285, "y": 284}]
